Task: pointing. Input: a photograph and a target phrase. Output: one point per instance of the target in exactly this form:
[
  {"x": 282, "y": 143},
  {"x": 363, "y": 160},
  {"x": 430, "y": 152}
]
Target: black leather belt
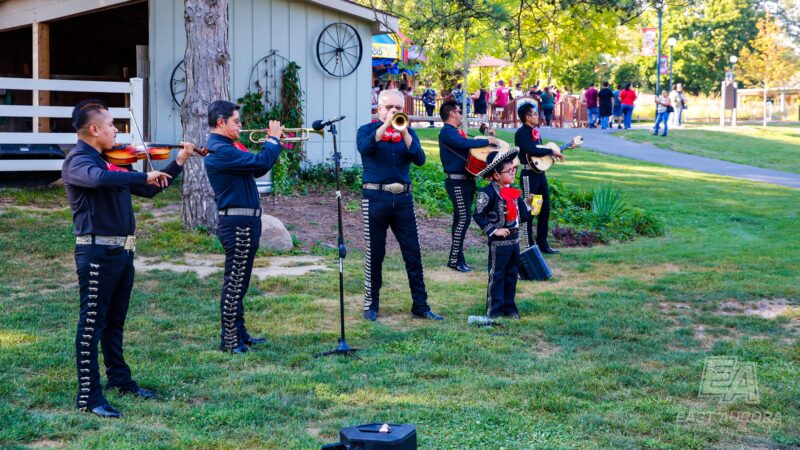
[
  {"x": 459, "y": 176},
  {"x": 240, "y": 212},
  {"x": 394, "y": 188}
]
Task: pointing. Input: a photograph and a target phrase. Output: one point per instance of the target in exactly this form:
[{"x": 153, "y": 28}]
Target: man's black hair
[
  {"x": 605, "y": 83},
  {"x": 85, "y": 111},
  {"x": 448, "y": 107},
  {"x": 524, "y": 111},
  {"x": 220, "y": 109},
  {"x": 591, "y": 85}
]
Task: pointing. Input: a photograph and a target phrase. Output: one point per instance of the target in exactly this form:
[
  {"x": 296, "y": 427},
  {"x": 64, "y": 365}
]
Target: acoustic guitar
[{"x": 540, "y": 164}]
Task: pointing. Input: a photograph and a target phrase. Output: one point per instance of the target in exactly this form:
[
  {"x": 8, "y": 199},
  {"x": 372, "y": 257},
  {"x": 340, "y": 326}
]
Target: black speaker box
[{"x": 367, "y": 437}]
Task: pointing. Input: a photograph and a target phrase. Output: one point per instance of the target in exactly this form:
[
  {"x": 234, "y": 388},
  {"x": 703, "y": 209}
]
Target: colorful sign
[
  {"x": 664, "y": 65},
  {"x": 649, "y": 41},
  {"x": 385, "y": 46}
]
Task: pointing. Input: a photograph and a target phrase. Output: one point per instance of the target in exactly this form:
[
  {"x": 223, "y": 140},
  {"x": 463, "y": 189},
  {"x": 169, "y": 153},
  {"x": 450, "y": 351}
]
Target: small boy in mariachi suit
[{"x": 499, "y": 210}]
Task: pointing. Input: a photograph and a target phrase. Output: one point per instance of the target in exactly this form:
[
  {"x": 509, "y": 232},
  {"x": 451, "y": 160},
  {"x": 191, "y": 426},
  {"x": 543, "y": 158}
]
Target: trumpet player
[
  {"x": 232, "y": 174},
  {"x": 388, "y": 147}
]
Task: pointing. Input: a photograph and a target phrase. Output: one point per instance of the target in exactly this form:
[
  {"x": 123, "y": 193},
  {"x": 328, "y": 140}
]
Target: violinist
[
  {"x": 232, "y": 172},
  {"x": 99, "y": 193}
]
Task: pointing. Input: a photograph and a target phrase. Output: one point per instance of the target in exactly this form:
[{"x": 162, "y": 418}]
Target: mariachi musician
[
  {"x": 454, "y": 148},
  {"x": 387, "y": 154},
  {"x": 100, "y": 197},
  {"x": 529, "y": 142},
  {"x": 232, "y": 172}
]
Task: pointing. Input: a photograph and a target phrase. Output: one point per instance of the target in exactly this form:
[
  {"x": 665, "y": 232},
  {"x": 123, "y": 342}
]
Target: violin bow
[{"x": 141, "y": 138}]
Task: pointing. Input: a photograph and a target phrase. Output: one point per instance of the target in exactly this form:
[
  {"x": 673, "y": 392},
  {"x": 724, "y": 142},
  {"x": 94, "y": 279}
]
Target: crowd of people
[{"x": 607, "y": 107}]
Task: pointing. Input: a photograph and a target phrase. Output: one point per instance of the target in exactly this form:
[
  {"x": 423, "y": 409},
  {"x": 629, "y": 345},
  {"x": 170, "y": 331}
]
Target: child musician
[{"x": 499, "y": 210}]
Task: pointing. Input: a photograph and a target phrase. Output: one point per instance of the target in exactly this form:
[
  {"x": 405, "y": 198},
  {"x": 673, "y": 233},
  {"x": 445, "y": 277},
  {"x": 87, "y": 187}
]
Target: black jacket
[
  {"x": 454, "y": 149},
  {"x": 490, "y": 210},
  {"x": 101, "y": 198}
]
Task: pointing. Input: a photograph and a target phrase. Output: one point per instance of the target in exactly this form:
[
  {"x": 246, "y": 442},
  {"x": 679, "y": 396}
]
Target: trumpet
[
  {"x": 301, "y": 134},
  {"x": 400, "y": 121}
]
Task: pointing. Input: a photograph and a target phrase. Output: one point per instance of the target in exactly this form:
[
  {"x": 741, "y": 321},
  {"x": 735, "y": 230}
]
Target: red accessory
[
  {"x": 535, "y": 136},
  {"x": 240, "y": 146},
  {"x": 392, "y": 135},
  {"x": 510, "y": 195},
  {"x": 461, "y": 132},
  {"x": 115, "y": 168}
]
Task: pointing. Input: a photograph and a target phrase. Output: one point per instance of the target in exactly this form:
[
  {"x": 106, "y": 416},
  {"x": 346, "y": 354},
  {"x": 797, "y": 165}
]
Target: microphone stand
[{"x": 342, "y": 348}]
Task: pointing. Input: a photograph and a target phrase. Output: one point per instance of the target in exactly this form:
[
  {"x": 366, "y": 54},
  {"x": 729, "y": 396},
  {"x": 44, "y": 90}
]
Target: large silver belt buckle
[
  {"x": 130, "y": 243},
  {"x": 395, "y": 188}
]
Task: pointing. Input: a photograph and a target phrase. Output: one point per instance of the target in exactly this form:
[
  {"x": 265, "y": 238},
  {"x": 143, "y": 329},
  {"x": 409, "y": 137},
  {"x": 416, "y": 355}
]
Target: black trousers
[
  {"x": 105, "y": 279},
  {"x": 239, "y": 236},
  {"x": 380, "y": 211},
  {"x": 548, "y": 115},
  {"x": 536, "y": 183},
  {"x": 503, "y": 274},
  {"x": 429, "y": 110},
  {"x": 462, "y": 194}
]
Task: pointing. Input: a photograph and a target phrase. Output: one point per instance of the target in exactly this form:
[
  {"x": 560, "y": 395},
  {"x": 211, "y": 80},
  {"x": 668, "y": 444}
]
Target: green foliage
[
  {"x": 289, "y": 112},
  {"x": 323, "y": 176},
  {"x": 607, "y": 202},
  {"x": 627, "y": 73}
]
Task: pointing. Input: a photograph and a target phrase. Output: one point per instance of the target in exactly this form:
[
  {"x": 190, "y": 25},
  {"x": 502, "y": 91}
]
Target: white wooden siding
[{"x": 256, "y": 27}]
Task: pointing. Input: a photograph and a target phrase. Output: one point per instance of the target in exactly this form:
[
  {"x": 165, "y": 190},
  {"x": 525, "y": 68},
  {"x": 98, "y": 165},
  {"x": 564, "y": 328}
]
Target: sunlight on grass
[{"x": 14, "y": 338}]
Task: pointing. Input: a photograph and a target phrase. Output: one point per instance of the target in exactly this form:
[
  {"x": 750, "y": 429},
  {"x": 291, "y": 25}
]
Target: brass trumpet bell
[{"x": 400, "y": 121}]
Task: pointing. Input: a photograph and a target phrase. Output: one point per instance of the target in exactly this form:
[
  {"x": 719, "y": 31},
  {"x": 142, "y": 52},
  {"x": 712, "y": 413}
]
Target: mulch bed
[{"x": 312, "y": 219}]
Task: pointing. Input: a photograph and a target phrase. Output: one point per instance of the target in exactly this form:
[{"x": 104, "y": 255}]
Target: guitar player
[{"x": 529, "y": 142}]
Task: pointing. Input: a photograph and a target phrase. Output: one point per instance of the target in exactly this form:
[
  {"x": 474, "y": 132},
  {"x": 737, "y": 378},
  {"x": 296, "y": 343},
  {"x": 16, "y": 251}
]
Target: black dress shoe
[
  {"x": 237, "y": 350},
  {"x": 460, "y": 267},
  {"x": 513, "y": 316},
  {"x": 139, "y": 392},
  {"x": 428, "y": 315},
  {"x": 106, "y": 411},
  {"x": 545, "y": 248},
  {"x": 468, "y": 266},
  {"x": 371, "y": 315},
  {"x": 254, "y": 340}
]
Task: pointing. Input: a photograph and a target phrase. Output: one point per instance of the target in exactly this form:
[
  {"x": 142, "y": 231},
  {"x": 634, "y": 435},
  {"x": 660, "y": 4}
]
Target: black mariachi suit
[
  {"x": 232, "y": 174},
  {"x": 490, "y": 214},
  {"x": 387, "y": 162},
  {"x": 454, "y": 151},
  {"x": 533, "y": 183},
  {"x": 100, "y": 198}
]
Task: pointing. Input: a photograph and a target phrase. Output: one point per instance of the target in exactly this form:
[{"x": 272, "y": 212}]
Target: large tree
[
  {"x": 770, "y": 62},
  {"x": 207, "y": 79}
]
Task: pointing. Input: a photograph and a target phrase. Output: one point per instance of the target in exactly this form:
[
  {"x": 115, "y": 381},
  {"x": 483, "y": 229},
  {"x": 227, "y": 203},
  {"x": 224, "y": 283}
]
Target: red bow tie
[
  {"x": 392, "y": 135},
  {"x": 461, "y": 132},
  {"x": 535, "y": 135},
  {"x": 510, "y": 195},
  {"x": 240, "y": 146}
]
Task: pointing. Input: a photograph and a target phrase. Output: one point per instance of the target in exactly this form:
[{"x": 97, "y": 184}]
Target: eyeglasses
[
  {"x": 511, "y": 171},
  {"x": 391, "y": 107}
]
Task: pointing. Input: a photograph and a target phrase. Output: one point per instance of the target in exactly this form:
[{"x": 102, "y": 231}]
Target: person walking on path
[
  {"x": 591, "y": 106},
  {"x": 479, "y": 102},
  {"x": 627, "y": 96},
  {"x": 429, "y": 100},
  {"x": 616, "y": 110},
  {"x": 663, "y": 108},
  {"x": 678, "y": 101},
  {"x": 606, "y": 101},
  {"x": 548, "y": 104}
]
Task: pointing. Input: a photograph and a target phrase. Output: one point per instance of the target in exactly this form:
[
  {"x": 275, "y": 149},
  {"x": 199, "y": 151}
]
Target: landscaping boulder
[{"x": 274, "y": 235}]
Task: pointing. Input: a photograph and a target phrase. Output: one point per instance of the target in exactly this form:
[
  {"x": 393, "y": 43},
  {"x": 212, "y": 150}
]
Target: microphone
[{"x": 318, "y": 124}]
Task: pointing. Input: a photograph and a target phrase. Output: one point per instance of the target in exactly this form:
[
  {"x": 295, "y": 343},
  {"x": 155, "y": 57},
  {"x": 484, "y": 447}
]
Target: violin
[{"x": 126, "y": 154}]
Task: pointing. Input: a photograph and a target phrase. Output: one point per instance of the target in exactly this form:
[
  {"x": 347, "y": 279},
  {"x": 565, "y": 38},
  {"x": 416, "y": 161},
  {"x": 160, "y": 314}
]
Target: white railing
[{"x": 134, "y": 89}]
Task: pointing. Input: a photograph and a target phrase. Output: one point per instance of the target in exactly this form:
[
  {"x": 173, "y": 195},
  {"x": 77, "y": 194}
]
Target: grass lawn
[
  {"x": 608, "y": 354},
  {"x": 773, "y": 147}
]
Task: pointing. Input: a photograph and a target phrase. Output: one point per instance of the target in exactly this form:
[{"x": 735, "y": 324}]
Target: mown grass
[
  {"x": 600, "y": 358},
  {"x": 774, "y": 147}
]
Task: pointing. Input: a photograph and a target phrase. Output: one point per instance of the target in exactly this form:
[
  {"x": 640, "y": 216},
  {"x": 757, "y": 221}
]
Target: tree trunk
[
  {"x": 207, "y": 79},
  {"x": 765, "y": 104}
]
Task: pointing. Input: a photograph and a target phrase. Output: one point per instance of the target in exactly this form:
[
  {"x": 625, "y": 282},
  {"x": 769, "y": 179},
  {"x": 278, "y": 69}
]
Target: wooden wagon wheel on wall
[{"x": 339, "y": 49}]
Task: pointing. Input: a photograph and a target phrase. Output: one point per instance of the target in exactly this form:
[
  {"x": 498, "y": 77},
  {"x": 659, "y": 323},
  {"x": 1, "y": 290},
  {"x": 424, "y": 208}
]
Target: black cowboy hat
[{"x": 497, "y": 159}]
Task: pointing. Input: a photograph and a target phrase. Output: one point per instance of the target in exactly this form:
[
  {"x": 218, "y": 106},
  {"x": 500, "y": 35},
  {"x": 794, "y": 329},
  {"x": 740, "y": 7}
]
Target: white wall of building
[{"x": 256, "y": 27}]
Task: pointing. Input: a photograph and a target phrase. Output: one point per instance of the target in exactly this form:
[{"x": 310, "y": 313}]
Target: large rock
[{"x": 274, "y": 235}]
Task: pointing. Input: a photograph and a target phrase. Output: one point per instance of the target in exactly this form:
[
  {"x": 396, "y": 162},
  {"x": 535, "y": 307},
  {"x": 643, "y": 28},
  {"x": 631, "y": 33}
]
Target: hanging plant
[{"x": 290, "y": 113}]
